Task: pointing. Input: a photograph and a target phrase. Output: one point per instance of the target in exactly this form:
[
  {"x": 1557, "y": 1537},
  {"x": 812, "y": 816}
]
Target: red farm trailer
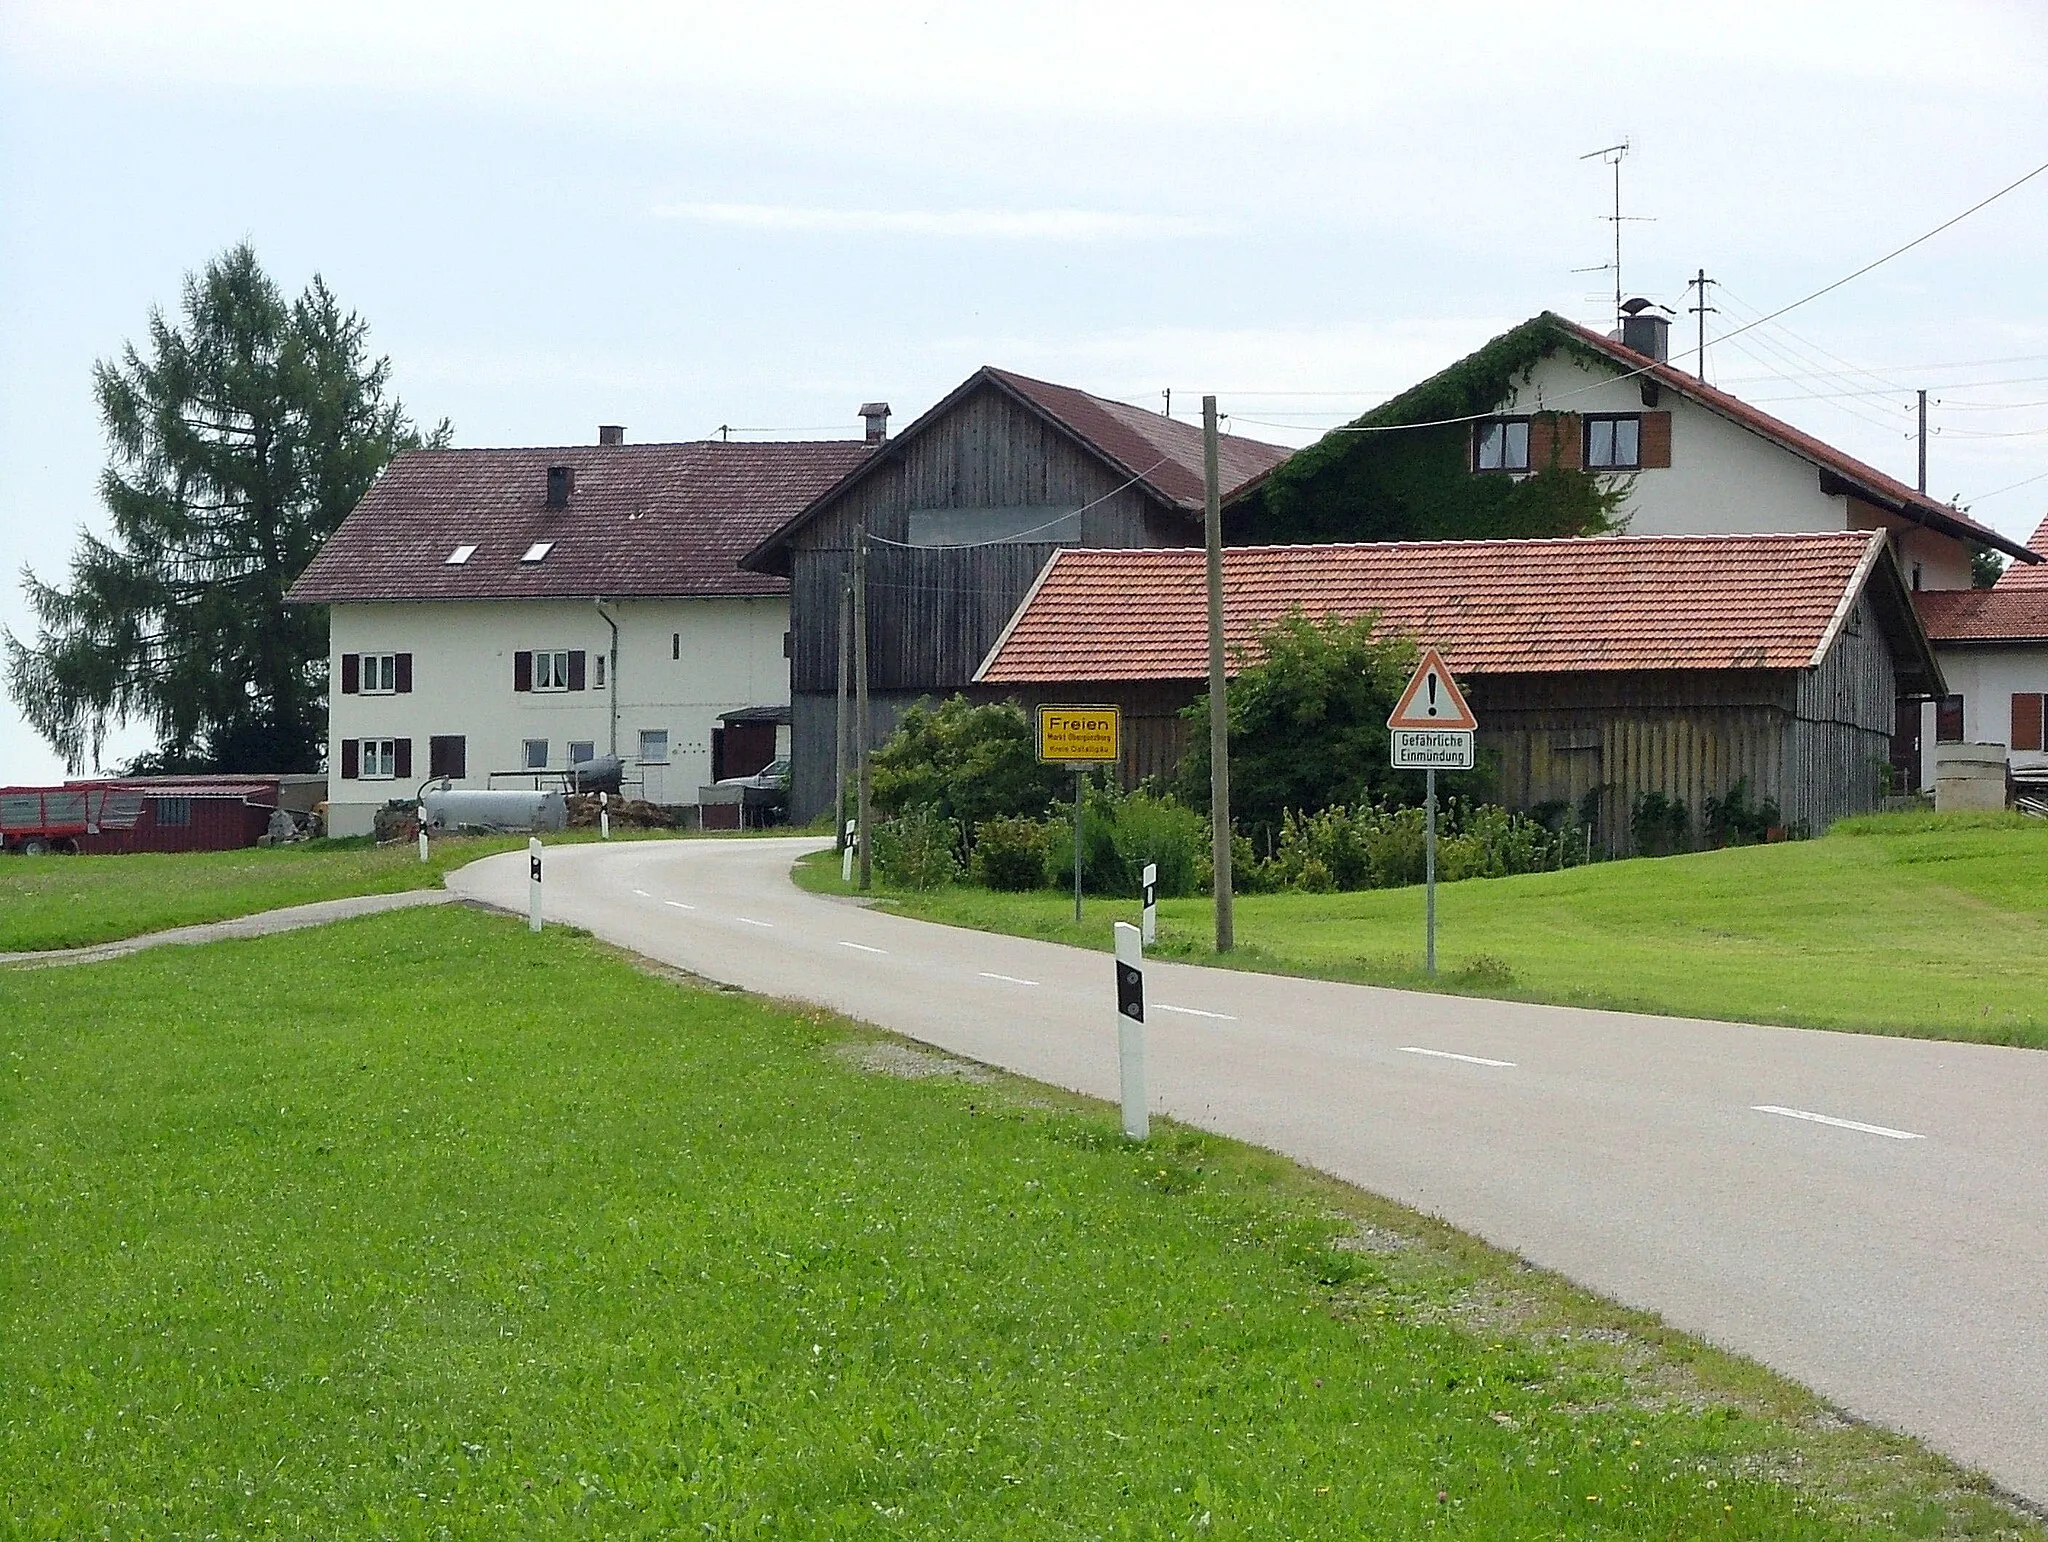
[{"x": 170, "y": 813}]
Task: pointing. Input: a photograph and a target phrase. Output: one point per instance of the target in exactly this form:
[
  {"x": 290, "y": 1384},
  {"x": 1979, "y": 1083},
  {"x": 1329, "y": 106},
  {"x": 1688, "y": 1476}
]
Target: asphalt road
[{"x": 1896, "y": 1261}]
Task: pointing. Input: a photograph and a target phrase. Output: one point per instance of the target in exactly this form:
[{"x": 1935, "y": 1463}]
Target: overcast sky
[{"x": 680, "y": 216}]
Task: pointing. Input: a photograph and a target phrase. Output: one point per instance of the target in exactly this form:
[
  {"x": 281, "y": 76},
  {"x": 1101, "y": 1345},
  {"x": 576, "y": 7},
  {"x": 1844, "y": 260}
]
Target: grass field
[
  {"x": 1927, "y": 925},
  {"x": 71, "y": 902},
  {"x": 417, "y": 1226}
]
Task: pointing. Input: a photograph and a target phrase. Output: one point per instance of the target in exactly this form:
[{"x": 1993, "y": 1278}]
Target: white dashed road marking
[
  {"x": 1840, "y": 1124},
  {"x": 1221, "y": 1017},
  {"x": 643, "y": 894},
  {"x": 1444, "y": 1054},
  {"x": 679, "y": 904},
  {"x": 750, "y": 921},
  {"x": 863, "y": 947},
  {"x": 1007, "y": 979}
]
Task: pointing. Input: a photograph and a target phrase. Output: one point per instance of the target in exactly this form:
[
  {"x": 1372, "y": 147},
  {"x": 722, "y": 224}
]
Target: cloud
[{"x": 1058, "y": 225}]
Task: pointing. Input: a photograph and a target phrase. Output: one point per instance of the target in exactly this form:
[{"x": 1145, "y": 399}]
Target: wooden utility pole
[
  {"x": 1219, "y": 703},
  {"x": 840, "y": 723},
  {"x": 1703, "y": 311},
  {"x": 862, "y": 776},
  {"x": 1923, "y": 442}
]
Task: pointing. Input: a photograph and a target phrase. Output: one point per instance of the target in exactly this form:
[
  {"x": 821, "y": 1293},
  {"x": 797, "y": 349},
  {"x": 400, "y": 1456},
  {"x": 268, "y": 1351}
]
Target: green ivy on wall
[{"x": 1416, "y": 484}]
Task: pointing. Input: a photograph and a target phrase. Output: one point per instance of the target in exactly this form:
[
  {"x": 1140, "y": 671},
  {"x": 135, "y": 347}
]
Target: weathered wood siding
[
  {"x": 1154, "y": 735},
  {"x": 934, "y": 612}
]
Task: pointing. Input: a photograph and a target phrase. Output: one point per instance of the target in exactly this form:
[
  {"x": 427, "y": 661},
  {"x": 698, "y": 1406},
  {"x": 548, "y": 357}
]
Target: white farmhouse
[
  {"x": 496, "y": 616},
  {"x": 1994, "y": 651}
]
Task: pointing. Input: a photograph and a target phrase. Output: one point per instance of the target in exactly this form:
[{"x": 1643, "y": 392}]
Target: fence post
[
  {"x": 1130, "y": 1029},
  {"x": 533, "y": 883}
]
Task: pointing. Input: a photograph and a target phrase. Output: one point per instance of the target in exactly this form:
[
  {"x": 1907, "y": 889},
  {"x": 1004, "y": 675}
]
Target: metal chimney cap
[{"x": 874, "y": 409}]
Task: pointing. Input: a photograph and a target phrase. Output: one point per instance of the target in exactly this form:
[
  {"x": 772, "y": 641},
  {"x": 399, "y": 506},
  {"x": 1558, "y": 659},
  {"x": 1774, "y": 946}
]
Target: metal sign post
[
  {"x": 1130, "y": 1030},
  {"x": 1079, "y": 737},
  {"x": 1432, "y": 729},
  {"x": 1080, "y": 797}
]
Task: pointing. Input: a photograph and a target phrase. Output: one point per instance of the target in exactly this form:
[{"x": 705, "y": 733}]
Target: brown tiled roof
[
  {"x": 2028, "y": 576},
  {"x": 1161, "y": 454},
  {"x": 644, "y": 519},
  {"x": 1999, "y": 614},
  {"x": 1493, "y": 607},
  {"x": 1887, "y": 491}
]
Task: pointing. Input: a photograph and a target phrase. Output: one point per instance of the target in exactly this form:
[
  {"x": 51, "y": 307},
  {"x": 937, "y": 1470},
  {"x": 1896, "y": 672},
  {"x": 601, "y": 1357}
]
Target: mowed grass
[
  {"x": 1927, "y": 925},
  {"x": 418, "y": 1226},
  {"x": 72, "y": 902}
]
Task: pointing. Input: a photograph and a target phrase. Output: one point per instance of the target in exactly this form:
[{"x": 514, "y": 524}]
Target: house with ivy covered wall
[{"x": 1553, "y": 429}]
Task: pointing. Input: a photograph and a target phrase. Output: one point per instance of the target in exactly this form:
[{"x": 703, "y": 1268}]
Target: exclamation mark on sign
[{"x": 1430, "y": 680}]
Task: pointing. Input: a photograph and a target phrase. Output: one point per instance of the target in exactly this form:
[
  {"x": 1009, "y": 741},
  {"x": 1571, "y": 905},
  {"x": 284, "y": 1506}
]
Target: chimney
[
  {"x": 561, "y": 483},
  {"x": 876, "y": 416},
  {"x": 1645, "y": 331},
  {"x": 611, "y": 433}
]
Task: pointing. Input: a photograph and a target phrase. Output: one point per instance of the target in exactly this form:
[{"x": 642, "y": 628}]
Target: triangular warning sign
[{"x": 1432, "y": 699}]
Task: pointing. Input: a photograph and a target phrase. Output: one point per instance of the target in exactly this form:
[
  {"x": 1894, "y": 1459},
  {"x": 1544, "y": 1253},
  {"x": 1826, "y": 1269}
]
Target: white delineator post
[
  {"x": 1149, "y": 921},
  {"x": 1130, "y": 1029},
  {"x": 604, "y": 816},
  {"x": 533, "y": 883},
  {"x": 423, "y": 832},
  {"x": 846, "y": 852}
]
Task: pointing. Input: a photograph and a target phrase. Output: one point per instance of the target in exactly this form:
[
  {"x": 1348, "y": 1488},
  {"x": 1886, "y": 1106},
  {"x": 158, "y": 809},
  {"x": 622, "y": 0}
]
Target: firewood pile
[{"x": 627, "y": 813}]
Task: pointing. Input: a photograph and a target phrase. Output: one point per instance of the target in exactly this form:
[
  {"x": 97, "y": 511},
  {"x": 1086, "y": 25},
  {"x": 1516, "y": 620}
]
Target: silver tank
[{"x": 458, "y": 808}]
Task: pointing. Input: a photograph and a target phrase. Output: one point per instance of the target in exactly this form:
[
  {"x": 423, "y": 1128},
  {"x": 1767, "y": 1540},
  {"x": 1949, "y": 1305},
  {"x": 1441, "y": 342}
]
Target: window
[
  {"x": 1500, "y": 444},
  {"x": 675, "y": 645},
  {"x": 173, "y": 813},
  {"x": 447, "y": 755},
  {"x": 1614, "y": 443},
  {"x": 1948, "y": 720},
  {"x": 460, "y": 555},
  {"x": 581, "y": 750},
  {"x": 536, "y": 754},
  {"x": 538, "y": 551},
  {"x": 380, "y": 674},
  {"x": 599, "y": 662},
  {"x": 551, "y": 670},
  {"x": 654, "y": 746},
  {"x": 380, "y": 759}
]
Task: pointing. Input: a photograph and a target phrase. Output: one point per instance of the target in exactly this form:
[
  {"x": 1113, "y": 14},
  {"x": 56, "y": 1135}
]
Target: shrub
[
  {"x": 917, "y": 850},
  {"x": 1730, "y": 821},
  {"x": 1659, "y": 825},
  {"x": 1161, "y": 830},
  {"x": 1490, "y": 842},
  {"x": 1009, "y": 854},
  {"x": 966, "y": 763}
]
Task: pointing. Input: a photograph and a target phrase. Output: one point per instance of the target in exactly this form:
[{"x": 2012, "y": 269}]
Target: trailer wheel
[{"x": 35, "y": 846}]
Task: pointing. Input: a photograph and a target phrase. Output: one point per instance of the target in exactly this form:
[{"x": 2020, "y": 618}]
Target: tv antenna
[{"x": 1614, "y": 155}]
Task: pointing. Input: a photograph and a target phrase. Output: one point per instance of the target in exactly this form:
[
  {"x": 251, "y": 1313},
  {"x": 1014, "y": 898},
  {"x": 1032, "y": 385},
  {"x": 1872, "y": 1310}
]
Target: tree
[
  {"x": 1308, "y": 724},
  {"x": 1985, "y": 567},
  {"x": 965, "y": 762},
  {"x": 238, "y": 444}
]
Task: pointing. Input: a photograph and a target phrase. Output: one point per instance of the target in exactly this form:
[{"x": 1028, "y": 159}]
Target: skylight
[
  {"x": 460, "y": 555},
  {"x": 537, "y": 551}
]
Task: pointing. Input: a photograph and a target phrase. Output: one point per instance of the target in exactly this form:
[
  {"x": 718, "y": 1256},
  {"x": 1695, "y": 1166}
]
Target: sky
[{"x": 686, "y": 217}]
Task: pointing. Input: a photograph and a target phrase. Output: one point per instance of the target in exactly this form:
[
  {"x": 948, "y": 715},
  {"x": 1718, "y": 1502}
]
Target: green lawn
[
  {"x": 70, "y": 902},
  {"x": 418, "y": 1226},
  {"x": 1928, "y": 925}
]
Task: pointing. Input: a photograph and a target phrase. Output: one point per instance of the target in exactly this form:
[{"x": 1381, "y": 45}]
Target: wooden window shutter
[
  {"x": 447, "y": 755},
  {"x": 401, "y": 758},
  {"x": 1571, "y": 442},
  {"x": 350, "y": 750},
  {"x": 1542, "y": 440},
  {"x": 522, "y": 671},
  {"x": 1653, "y": 449},
  {"x": 577, "y": 665},
  {"x": 2026, "y": 720},
  {"x": 404, "y": 673},
  {"x": 351, "y": 675},
  {"x": 1554, "y": 439}
]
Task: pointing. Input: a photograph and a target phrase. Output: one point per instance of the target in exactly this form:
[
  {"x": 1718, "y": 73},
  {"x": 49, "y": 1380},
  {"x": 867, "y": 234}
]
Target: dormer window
[
  {"x": 460, "y": 555},
  {"x": 1500, "y": 444},
  {"x": 538, "y": 551}
]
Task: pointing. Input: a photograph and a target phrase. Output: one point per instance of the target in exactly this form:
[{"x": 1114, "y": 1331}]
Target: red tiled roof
[
  {"x": 1999, "y": 614},
  {"x": 2028, "y": 576},
  {"x": 1161, "y": 454},
  {"x": 1493, "y": 607},
  {"x": 1888, "y": 491},
  {"x": 644, "y": 520}
]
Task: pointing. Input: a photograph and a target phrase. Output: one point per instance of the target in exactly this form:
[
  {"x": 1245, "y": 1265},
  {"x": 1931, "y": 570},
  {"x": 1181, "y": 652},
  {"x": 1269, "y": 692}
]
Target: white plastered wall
[
  {"x": 1987, "y": 678},
  {"x": 681, "y": 664}
]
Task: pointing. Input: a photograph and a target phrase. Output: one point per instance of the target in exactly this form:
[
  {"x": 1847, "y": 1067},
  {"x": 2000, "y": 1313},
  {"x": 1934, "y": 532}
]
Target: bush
[
  {"x": 966, "y": 763},
  {"x": 1009, "y": 854},
  {"x": 1161, "y": 830},
  {"x": 1382, "y": 848},
  {"x": 917, "y": 850},
  {"x": 1730, "y": 821},
  {"x": 1659, "y": 825},
  {"x": 1491, "y": 843}
]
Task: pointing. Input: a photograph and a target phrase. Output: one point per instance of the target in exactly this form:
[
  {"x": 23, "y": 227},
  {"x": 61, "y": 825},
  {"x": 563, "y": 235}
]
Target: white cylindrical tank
[{"x": 459, "y": 808}]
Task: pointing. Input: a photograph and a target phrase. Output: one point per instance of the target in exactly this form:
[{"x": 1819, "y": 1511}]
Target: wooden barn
[
  {"x": 1599, "y": 669},
  {"x": 962, "y": 511}
]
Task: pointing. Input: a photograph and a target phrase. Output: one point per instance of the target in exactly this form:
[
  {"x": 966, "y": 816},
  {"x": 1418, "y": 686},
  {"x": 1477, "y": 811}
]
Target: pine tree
[{"x": 238, "y": 444}]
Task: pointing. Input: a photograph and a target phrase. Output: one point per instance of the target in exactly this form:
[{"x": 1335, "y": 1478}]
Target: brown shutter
[
  {"x": 1571, "y": 441},
  {"x": 576, "y": 666},
  {"x": 2026, "y": 720},
  {"x": 1542, "y": 435},
  {"x": 349, "y": 762},
  {"x": 351, "y": 675},
  {"x": 404, "y": 672},
  {"x": 1653, "y": 449},
  {"x": 447, "y": 755},
  {"x": 1554, "y": 437},
  {"x": 401, "y": 758},
  {"x": 522, "y": 671}
]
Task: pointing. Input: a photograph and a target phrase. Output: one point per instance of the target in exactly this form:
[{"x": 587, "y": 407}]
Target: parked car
[{"x": 773, "y": 775}]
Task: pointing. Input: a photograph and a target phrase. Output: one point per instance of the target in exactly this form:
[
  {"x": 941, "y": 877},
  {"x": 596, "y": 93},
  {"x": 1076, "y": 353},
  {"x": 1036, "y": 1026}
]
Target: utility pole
[
  {"x": 862, "y": 775},
  {"x": 1219, "y": 703},
  {"x": 840, "y": 723},
  {"x": 1923, "y": 442},
  {"x": 1703, "y": 311}
]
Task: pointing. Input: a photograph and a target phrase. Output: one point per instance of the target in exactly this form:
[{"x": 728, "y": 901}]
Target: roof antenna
[
  {"x": 1169, "y": 401},
  {"x": 1614, "y": 155},
  {"x": 725, "y": 432}
]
